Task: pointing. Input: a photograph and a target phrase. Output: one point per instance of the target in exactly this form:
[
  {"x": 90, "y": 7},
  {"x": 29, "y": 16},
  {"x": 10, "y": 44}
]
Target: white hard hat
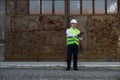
[{"x": 73, "y": 21}]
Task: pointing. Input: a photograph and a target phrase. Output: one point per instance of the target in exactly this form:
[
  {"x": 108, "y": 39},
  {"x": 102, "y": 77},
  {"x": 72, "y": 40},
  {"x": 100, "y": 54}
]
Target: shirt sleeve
[{"x": 69, "y": 34}]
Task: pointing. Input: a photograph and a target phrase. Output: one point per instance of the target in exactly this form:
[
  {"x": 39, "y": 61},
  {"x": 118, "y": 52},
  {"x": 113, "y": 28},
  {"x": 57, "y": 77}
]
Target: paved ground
[
  {"x": 56, "y": 71},
  {"x": 59, "y": 73},
  {"x": 40, "y": 64}
]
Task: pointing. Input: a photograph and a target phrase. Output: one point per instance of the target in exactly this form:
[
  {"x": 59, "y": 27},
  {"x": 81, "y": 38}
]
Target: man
[{"x": 72, "y": 44}]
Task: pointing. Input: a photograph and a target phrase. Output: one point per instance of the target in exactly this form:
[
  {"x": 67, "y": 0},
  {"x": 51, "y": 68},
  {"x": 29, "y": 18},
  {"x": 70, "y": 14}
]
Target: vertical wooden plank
[
  {"x": 53, "y": 6},
  {"x": 22, "y": 7},
  {"x": 118, "y": 5},
  {"x": 81, "y": 7},
  {"x": 15, "y": 7},
  {"x": 28, "y": 11},
  {"x": 105, "y": 6},
  {"x": 27, "y": 7},
  {"x": 67, "y": 10},
  {"x": 40, "y": 6},
  {"x": 93, "y": 7},
  {"x": 6, "y": 7},
  {"x": 67, "y": 7}
]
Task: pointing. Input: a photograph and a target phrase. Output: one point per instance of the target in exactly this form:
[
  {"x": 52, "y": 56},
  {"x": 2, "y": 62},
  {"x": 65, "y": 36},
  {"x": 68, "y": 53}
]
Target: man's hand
[
  {"x": 81, "y": 34},
  {"x": 81, "y": 38}
]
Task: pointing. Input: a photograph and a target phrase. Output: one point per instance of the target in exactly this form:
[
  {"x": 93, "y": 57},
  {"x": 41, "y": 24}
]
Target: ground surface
[{"x": 59, "y": 73}]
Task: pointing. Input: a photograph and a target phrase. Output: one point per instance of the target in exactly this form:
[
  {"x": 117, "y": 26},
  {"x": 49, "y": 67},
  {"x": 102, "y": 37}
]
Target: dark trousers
[{"x": 72, "y": 50}]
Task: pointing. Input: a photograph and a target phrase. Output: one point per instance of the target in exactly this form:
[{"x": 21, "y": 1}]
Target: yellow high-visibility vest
[{"x": 73, "y": 40}]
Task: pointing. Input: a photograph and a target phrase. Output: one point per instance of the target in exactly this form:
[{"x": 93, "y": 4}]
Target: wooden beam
[
  {"x": 15, "y": 7},
  {"x": 93, "y": 7},
  {"x": 118, "y": 5},
  {"x": 40, "y": 6},
  {"x": 6, "y": 7},
  {"x": 81, "y": 7},
  {"x": 27, "y": 13},
  {"x": 53, "y": 7},
  {"x": 67, "y": 10},
  {"x": 105, "y": 6}
]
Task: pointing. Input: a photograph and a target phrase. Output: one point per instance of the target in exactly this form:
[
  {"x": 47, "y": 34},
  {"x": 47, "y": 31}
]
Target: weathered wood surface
[{"x": 42, "y": 37}]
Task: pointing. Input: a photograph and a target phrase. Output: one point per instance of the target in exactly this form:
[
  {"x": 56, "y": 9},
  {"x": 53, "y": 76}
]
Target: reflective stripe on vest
[{"x": 73, "y": 40}]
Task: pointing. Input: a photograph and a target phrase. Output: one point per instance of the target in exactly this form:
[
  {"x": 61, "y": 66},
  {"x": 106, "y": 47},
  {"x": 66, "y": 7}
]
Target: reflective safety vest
[{"x": 73, "y": 40}]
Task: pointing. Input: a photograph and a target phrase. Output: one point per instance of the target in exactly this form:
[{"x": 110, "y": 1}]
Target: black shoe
[
  {"x": 76, "y": 69},
  {"x": 67, "y": 69}
]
